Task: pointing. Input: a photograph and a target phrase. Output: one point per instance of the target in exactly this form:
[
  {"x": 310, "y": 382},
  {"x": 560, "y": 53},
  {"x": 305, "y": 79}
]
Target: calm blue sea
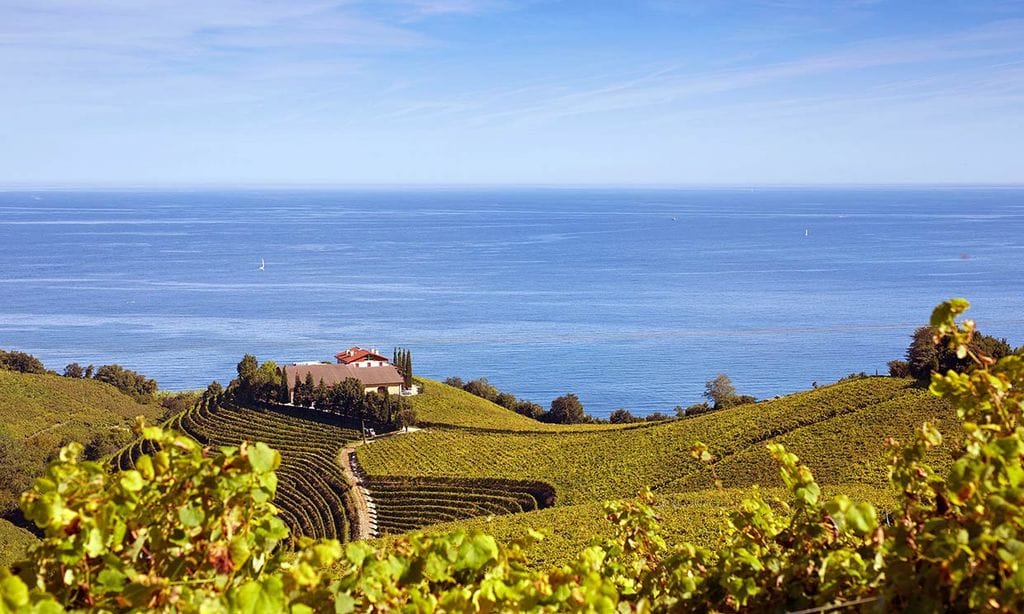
[{"x": 630, "y": 298}]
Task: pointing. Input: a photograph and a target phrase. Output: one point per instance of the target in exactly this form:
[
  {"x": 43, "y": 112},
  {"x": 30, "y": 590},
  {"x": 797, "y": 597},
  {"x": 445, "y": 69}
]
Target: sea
[{"x": 629, "y": 298}]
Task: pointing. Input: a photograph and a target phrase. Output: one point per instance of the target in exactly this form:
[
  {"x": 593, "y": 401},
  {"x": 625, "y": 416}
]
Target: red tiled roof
[
  {"x": 386, "y": 375},
  {"x": 356, "y": 354}
]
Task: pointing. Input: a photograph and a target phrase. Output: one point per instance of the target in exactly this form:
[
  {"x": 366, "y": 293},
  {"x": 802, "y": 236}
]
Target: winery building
[{"x": 382, "y": 379}]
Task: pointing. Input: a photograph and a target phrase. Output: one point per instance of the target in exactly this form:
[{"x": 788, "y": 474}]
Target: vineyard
[
  {"x": 311, "y": 490},
  {"x": 696, "y": 517},
  {"x": 478, "y": 463},
  {"x": 313, "y": 494},
  {"x": 854, "y": 416},
  {"x": 408, "y": 503}
]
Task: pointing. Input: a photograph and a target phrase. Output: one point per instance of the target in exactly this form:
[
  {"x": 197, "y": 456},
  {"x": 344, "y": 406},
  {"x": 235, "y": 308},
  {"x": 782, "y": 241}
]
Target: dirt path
[{"x": 366, "y": 510}]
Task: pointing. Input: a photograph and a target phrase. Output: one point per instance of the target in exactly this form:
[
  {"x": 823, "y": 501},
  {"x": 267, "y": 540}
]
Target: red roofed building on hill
[
  {"x": 384, "y": 380},
  {"x": 358, "y": 357}
]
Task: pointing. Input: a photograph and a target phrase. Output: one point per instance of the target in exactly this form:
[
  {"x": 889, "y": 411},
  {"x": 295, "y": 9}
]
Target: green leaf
[
  {"x": 132, "y": 481},
  {"x": 254, "y": 597},
  {"x": 263, "y": 458},
  {"x": 191, "y": 516},
  {"x": 13, "y": 593}
]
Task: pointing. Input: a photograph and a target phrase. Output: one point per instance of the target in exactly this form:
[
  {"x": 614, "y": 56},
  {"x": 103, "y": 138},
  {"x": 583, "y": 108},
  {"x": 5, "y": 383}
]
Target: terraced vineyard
[
  {"x": 408, "y": 503},
  {"x": 312, "y": 492}
]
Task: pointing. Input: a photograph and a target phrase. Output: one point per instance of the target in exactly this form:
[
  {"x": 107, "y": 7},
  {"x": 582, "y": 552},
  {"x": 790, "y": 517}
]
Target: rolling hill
[
  {"x": 38, "y": 414},
  {"x": 474, "y": 463}
]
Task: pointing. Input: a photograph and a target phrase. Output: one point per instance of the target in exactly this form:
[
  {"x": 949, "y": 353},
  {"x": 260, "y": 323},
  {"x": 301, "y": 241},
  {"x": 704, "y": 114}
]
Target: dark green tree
[
  {"x": 529, "y": 409},
  {"x": 622, "y": 416},
  {"x": 74, "y": 370},
  {"x": 566, "y": 409},
  {"x": 351, "y": 397},
  {"x": 506, "y": 400},
  {"x": 481, "y": 388},
  {"x": 127, "y": 381},
  {"x": 247, "y": 369}
]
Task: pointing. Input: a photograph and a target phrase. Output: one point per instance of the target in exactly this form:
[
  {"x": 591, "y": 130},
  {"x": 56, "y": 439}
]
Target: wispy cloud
[{"x": 672, "y": 86}]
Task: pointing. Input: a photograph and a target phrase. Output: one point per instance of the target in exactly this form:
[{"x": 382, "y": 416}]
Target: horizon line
[{"x": 312, "y": 185}]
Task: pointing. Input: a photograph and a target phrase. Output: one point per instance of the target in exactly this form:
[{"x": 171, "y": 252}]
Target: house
[
  {"x": 358, "y": 357},
  {"x": 382, "y": 379}
]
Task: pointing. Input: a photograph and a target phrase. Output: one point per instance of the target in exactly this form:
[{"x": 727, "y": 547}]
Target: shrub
[
  {"x": 566, "y": 409},
  {"x": 21, "y": 362},
  {"x": 899, "y": 368},
  {"x": 622, "y": 416},
  {"x": 135, "y": 385}
]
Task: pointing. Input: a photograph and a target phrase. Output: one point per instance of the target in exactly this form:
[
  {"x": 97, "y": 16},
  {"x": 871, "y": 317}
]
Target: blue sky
[{"x": 129, "y": 92}]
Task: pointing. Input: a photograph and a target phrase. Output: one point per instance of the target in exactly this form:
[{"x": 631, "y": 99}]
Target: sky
[{"x": 595, "y": 92}]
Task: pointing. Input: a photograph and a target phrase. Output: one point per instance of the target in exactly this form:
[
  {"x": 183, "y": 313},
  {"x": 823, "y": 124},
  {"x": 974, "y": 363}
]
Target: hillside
[
  {"x": 840, "y": 429},
  {"x": 39, "y": 414},
  {"x": 475, "y": 462},
  {"x": 442, "y": 405},
  {"x": 34, "y": 405}
]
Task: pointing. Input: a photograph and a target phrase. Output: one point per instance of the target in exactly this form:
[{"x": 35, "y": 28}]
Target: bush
[
  {"x": 929, "y": 352},
  {"x": 135, "y": 385},
  {"x": 481, "y": 388},
  {"x": 899, "y": 368},
  {"x": 566, "y": 409},
  {"x": 622, "y": 416},
  {"x": 21, "y": 362}
]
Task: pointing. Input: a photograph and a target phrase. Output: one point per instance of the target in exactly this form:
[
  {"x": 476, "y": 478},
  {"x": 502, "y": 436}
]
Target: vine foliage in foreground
[{"x": 194, "y": 530}]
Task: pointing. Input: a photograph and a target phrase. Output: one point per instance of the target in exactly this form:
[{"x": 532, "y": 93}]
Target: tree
[
  {"x": 308, "y": 390},
  {"x": 455, "y": 382},
  {"x": 127, "y": 381},
  {"x": 351, "y": 398},
  {"x": 529, "y": 409},
  {"x": 506, "y": 400},
  {"x": 567, "y": 409},
  {"x": 406, "y": 416},
  {"x": 265, "y": 382},
  {"x": 247, "y": 373},
  {"x": 74, "y": 370},
  {"x": 21, "y": 362},
  {"x": 622, "y": 416},
  {"x": 720, "y": 391},
  {"x": 899, "y": 368},
  {"x": 929, "y": 352},
  {"x": 297, "y": 391},
  {"x": 89, "y": 372},
  {"x": 481, "y": 388}
]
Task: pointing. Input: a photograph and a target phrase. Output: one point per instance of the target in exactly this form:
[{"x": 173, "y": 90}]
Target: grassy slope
[
  {"x": 440, "y": 404},
  {"x": 840, "y": 429},
  {"x": 13, "y": 542},
  {"x": 33, "y": 405},
  {"x": 39, "y": 413},
  {"x": 697, "y": 517}
]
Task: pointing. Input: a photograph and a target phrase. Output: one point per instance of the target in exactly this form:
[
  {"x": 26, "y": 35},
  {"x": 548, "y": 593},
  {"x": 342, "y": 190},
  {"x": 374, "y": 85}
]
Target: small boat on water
[{"x": 263, "y": 265}]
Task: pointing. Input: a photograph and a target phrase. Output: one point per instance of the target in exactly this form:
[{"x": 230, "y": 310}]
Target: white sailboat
[{"x": 263, "y": 265}]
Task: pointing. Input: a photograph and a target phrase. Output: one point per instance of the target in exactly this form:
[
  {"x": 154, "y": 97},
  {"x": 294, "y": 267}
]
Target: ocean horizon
[{"x": 627, "y": 297}]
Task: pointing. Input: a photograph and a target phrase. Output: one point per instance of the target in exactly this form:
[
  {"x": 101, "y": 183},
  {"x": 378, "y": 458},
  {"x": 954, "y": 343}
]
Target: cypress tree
[{"x": 408, "y": 369}]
